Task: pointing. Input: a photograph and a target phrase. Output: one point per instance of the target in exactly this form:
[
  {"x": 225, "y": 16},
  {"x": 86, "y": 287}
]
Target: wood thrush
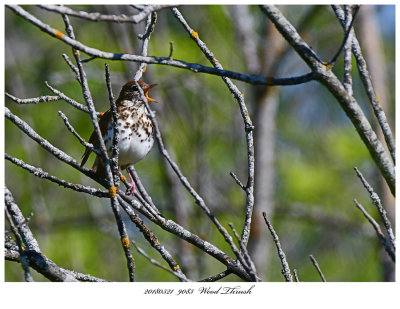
[{"x": 135, "y": 130}]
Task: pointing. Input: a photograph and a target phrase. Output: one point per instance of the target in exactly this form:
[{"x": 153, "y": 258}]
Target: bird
[{"x": 135, "y": 130}]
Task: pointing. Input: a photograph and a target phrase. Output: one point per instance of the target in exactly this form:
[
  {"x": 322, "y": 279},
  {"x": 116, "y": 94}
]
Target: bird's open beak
[{"x": 146, "y": 91}]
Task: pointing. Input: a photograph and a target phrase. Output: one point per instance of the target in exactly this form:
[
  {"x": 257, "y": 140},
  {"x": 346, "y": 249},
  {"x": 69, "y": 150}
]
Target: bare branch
[
  {"x": 49, "y": 269},
  {"x": 115, "y": 141},
  {"x": 59, "y": 154},
  {"x": 347, "y": 79},
  {"x": 154, "y": 262},
  {"x": 73, "y": 131},
  {"x": 152, "y": 239},
  {"x": 217, "y": 277},
  {"x": 367, "y": 81},
  {"x": 186, "y": 235},
  {"x": 137, "y": 18},
  {"x": 68, "y": 99},
  {"x": 90, "y": 105},
  {"x": 347, "y": 102},
  {"x": 244, "y": 257},
  {"x": 124, "y": 237},
  {"x": 35, "y": 258},
  {"x": 377, "y": 202},
  {"x": 296, "y": 277},
  {"x": 150, "y": 24},
  {"x": 199, "y": 200},
  {"x": 239, "y": 183},
  {"x": 378, "y": 231},
  {"x": 45, "y": 98},
  {"x": 145, "y": 198},
  {"x": 315, "y": 263},
  {"x": 194, "y": 67},
  {"x": 71, "y": 65},
  {"x": 282, "y": 256},
  {"x": 23, "y": 259},
  {"x": 44, "y": 175},
  {"x": 347, "y": 37},
  {"x": 248, "y": 125}
]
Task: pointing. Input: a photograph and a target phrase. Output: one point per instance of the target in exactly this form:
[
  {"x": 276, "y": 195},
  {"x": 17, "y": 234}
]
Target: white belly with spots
[{"x": 133, "y": 145}]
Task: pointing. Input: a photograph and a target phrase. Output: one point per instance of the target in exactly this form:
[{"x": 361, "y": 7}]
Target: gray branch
[
  {"x": 32, "y": 252},
  {"x": 137, "y": 18},
  {"x": 194, "y": 67},
  {"x": 378, "y": 231},
  {"x": 325, "y": 76},
  {"x": 68, "y": 99},
  {"x": 59, "y": 154},
  {"x": 152, "y": 239},
  {"x": 377, "y": 202},
  {"x": 281, "y": 253},
  {"x": 156, "y": 263},
  {"x": 45, "y": 98},
  {"x": 367, "y": 81},
  {"x": 347, "y": 79},
  {"x": 315, "y": 263},
  {"x": 248, "y": 125},
  {"x": 38, "y": 172},
  {"x": 150, "y": 24},
  {"x": 181, "y": 232}
]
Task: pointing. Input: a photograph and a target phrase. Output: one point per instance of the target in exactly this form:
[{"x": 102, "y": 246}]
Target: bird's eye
[{"x": 133, "y": 88}]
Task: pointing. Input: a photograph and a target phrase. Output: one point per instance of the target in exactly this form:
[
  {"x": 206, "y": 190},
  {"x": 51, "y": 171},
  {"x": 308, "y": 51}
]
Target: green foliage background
[{"x": 316, "y": 146}]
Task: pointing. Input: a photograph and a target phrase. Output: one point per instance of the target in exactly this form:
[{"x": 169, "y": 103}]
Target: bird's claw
[{"x": 131, "y": 189}]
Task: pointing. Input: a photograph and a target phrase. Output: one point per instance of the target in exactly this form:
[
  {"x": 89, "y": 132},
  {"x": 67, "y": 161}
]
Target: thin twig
[
  {"x": 347, "y": 78},
  {"x": 282, "y": 256},
  {"x": 156, "y": 263},
  {"x": 38, "y": 172},
  {"x": 147, "y": 201},
  {"x": 378, "y": 231},
  {"x": 59, "y": 154},
  {"x": 217, "y": 277},
  {"x": 23, "y": 258},
  {"x": 73, "y": 131},
  {"x": 150, "y": 24},
  {"x": 172, "y": 227},
  {"x": 244, "y": 257},
  {"x": 367, "y": 82},
  {"x": 152, "y": 239},
  {"x": 124, "y": 237},
  {"x": 239, "y": 183},
  {"x": 137, "y": 18},
  {"x": 377, "y": 202},
  {"x": 348, "y": 31},
  {"x": 171, "y": 50},
  {"x": 296, "y": 277},
  {"x": 68, "y": 99},
  {"x": 45, "y": 98},
  {"x": 315, "y": 263},
  {"x": 72, "y": 66},
  {"x": 116, "y": 138}
]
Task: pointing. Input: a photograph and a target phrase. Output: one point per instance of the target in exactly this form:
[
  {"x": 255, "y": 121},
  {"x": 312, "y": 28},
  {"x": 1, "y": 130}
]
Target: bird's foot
[{"x": 131, "y": 189}]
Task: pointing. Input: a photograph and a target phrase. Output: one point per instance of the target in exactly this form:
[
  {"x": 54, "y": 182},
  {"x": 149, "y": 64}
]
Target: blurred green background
[{"x": 312, "y": 146}]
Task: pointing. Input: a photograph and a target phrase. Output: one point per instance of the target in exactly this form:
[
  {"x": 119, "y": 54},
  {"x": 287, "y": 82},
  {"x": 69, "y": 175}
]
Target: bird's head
[{"x": 130, "y": 91}]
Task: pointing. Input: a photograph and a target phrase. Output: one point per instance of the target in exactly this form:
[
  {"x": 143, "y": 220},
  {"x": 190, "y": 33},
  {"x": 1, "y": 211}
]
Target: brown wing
[{"x": 93, "y": 138}]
